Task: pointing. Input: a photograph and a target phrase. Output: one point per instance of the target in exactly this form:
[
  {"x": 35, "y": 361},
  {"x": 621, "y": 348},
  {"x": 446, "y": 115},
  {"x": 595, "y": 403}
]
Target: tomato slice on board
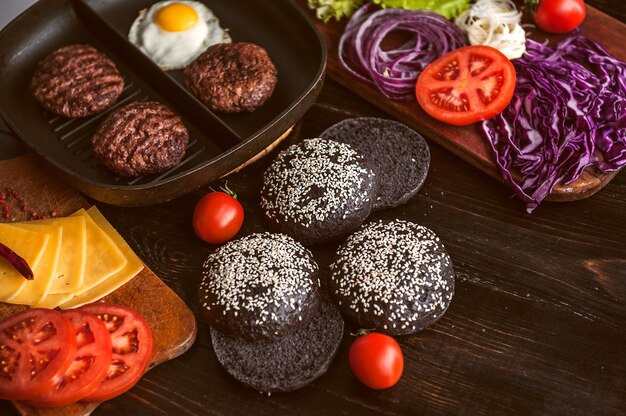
[
  {"x": 466, "y": 85},
  {"x": 37, "y": 346},
  {"x": 89, "y": 367},
  {"x": 131, "y": 340}
]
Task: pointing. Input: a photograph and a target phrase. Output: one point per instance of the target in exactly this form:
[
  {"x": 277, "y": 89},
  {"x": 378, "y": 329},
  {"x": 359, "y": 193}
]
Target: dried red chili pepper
[{"x": 16, "y": 261}]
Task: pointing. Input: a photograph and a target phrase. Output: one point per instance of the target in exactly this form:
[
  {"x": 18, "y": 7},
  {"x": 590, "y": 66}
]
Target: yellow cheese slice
[
  {"x": 27, "y": 244},
  {"x": 71, "y": 268},
  {"x": 104, "y": 259},
  {"x": 130, "y": 270},
  {"x": 34, "y": 291},
  {"x": 53, "y": 300}
]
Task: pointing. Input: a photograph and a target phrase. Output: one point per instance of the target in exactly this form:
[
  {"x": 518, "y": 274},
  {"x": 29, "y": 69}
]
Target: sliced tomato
[
  {"x": 131, "y": 341},
  {"x": 90, "y": 366},
  {"x": 37, "y": 346},
  {"x": 466, "y": 85}
]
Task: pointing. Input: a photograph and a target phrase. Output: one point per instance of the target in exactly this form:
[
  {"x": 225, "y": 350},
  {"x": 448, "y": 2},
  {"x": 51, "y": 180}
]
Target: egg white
[{"x": 176, "y": 50}]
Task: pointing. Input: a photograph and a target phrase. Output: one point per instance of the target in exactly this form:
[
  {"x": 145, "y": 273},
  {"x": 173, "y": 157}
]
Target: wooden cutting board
[
  {"x": 172, "y": 322},
  {"x": 466, "y": 142}
]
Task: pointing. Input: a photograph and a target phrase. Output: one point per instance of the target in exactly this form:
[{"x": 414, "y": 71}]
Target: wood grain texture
[
  {"x": 291, "y": 130},
  {"x": 536, "y": 326},
  {"x": 172, "y": 323},
  {"x": 467, "y": 142}
]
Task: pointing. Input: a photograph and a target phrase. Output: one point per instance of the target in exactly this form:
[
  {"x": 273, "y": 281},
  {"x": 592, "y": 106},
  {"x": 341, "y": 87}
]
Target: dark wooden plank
[
  {"x": 467, "y": 142},
  {"x": 536, "y": 325}
]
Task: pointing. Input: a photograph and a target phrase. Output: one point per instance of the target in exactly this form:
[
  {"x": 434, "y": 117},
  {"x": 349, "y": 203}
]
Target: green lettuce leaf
[
  {"x": 327, "y": 9},
  {"x": 338, "y": 9},
  {"x": 448, "y": 8}
]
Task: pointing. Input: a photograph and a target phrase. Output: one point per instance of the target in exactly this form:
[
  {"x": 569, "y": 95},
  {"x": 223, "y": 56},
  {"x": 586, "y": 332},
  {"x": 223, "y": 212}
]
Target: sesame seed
[
  {"x": 261, "y": 278},
  {"x": 395, "y": 269},
  {"x": 312, "y": 181}
]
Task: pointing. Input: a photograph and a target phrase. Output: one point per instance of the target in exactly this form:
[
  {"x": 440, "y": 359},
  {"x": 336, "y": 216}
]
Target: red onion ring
[{"x": 394, "y": 72}]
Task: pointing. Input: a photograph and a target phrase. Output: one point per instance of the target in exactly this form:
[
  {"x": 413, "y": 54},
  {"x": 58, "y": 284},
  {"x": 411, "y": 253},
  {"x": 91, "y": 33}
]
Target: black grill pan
[{"x": 218, "y": 143}]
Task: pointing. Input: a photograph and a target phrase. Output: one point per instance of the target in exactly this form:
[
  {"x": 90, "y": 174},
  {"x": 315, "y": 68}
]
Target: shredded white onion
[{"x": 494, "y": 23}]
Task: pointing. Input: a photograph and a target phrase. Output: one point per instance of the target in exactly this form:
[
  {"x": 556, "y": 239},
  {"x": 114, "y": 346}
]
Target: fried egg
[{"x": 174, "y": 33}]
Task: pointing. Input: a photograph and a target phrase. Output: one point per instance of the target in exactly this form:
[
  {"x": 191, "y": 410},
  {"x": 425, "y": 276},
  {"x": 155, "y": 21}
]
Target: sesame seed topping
[
  {"x": 315, "y": 180},
  {"x": 398, "y": 270},
  {"x": 262, "y": 279}
]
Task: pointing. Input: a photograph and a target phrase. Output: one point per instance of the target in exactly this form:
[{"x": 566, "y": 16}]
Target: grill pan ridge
[{"x": 218, "y": 143}]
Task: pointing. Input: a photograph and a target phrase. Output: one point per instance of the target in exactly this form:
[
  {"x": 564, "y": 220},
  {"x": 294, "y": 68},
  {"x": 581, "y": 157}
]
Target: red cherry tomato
[
  {"x": 376, "y": 360},
  {"x": 132, "y": 348},
  {"x": 218, "y": 217},
  {"x": 90, "y": 366},
  {"x": 466, "y": 85},
  {"x": 37, "y": 346},
  {"x": 559, "y": 16}
]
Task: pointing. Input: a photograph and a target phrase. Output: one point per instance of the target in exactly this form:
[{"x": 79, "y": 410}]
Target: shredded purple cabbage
[
  {"x": 568, "y": 112},
  {"x": 395, "y": 71}
]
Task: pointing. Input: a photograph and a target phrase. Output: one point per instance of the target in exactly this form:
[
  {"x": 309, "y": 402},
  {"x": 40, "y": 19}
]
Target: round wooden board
[
  {"x": 172, "y": 322},
  {"x": 293, "y": 129}
]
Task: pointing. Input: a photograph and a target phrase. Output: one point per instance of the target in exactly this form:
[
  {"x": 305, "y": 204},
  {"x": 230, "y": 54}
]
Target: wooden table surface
[{"x": 536, "y": 325}]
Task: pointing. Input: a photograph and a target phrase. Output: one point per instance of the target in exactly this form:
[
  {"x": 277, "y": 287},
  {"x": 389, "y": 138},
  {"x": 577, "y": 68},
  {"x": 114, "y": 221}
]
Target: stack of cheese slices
[{"x": 75, "y": 260}]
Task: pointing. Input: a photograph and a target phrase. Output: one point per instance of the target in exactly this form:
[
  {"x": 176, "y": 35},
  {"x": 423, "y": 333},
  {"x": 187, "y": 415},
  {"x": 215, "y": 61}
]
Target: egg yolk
[{"x": 176, "y": 17}]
